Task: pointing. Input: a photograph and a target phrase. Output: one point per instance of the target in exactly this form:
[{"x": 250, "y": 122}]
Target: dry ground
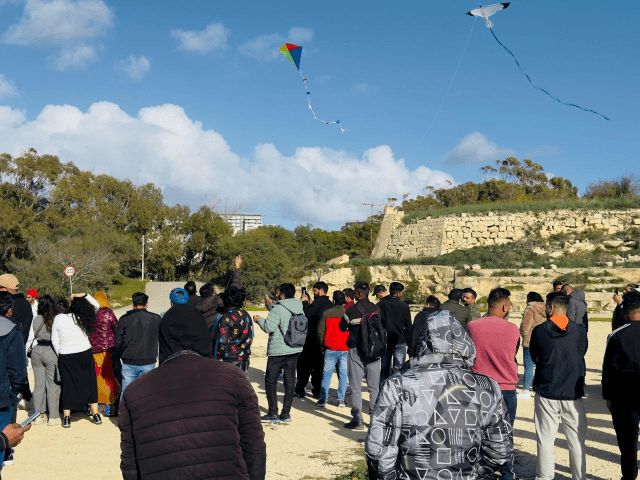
[{"x": 314, "y": 445}]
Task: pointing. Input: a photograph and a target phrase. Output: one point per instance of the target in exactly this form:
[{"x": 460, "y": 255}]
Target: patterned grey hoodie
[{"x": 436, "y": 419}]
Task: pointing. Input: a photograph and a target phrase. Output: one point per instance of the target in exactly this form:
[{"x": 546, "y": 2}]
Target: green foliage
[
  {"x": 412, "y": 293},
  {"x": 204, "y": 230},
  {"x": 120, "y": 294},
  {"x": 625, "y": 186},
  {"x": 266, "y": 265},
  {"x": 363, "y": 274}
]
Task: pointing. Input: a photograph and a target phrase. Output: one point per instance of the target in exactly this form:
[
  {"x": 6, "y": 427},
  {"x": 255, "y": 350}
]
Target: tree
[
  {"x": 625, "y": 186},
  {"x": 203, "y": 231}
]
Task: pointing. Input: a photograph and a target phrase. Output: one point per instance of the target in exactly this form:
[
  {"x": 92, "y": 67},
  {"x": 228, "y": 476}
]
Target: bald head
[{"x": 567, "y": 289}]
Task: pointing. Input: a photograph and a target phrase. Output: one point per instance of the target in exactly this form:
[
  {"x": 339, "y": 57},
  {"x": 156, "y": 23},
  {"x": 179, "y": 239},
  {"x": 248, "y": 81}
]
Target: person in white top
[{"x": 70, "y": 340}]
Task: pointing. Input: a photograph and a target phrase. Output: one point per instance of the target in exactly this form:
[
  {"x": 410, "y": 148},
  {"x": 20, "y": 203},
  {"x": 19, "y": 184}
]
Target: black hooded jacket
[
  {"x": 183, "y": 328},
  {"x": 559, "y": 358}
]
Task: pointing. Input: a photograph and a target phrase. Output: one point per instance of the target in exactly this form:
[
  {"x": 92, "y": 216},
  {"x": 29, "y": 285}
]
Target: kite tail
[
  {"x": 542, "y": 89},
  {"x": 315, "y": 117}
]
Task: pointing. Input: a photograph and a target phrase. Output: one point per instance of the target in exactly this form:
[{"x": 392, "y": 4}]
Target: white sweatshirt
[{"x": 67, "y": 336}]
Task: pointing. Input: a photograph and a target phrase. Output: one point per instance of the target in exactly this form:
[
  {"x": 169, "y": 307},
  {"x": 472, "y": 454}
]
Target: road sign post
[{"x": 70, "y": 271}]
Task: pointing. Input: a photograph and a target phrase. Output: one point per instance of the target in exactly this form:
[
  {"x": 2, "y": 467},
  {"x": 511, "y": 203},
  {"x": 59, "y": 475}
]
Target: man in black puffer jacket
[
  {"x": 192, "y": 417},
  {"x": 311, "y": 360}
]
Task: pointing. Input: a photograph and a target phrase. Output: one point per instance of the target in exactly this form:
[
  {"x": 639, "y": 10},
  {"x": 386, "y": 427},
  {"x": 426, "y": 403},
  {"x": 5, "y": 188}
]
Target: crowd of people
[{"x": 442, "y": 386}]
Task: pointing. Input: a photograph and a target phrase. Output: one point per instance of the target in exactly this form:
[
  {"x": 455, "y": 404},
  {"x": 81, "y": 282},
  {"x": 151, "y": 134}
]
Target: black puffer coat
[{"x": 192, "y": 417}]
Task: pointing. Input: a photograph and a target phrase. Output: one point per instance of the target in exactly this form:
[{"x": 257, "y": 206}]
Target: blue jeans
[
  {"x": 392, "y": 360},
  {"x": 529, "y": 367},
  {"x": 331, "y": 357},
  {"x": 6, "y": 414},
  {"x": 511, "y": 400},
  {"x": 131, "y": 372}
]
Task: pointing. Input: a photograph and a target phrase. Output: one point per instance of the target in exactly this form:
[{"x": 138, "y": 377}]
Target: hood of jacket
[
  {"x": 553, "y": 331},
  {"x": 578, "y": 294},
  {"x": 6, "y": 325},
  {"x": 443, "y": 340}
]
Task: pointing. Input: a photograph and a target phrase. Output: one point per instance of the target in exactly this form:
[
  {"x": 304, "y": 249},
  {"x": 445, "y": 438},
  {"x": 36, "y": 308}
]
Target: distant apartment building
[{"x": 241, "y": 222}]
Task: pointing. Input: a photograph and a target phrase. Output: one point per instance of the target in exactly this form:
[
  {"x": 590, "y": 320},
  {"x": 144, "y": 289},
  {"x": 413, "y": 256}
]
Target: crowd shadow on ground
[{"x": 335, "y": 416}]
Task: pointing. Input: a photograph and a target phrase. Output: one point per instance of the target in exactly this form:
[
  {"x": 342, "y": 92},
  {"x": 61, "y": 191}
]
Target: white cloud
[
  {"x": 59, "y": 22},
  {"x": 214, "y": 37},
  {"x": 7, "y": 88},
  {"x": 136, "y": 67},
  {"x": 264, "y": 47},
  {"x": 300, "y": 34},
  {"x": 475, "y": 148},
  {"x": 267, "y": 47},
  {"x": 164, "y": 146},
  {"x": 361, "y": 88},
  {"x": 78, "y": 56}
]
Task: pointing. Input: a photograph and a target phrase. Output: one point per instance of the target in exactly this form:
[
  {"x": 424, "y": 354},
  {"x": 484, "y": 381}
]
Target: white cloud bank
[
  {"x": 135, "y": 67},
  {"x": 475, "y": 148},
  {"x": 67, "y": 24},
  {"x": 212, "y": 39},
  {"x": 164, "y": 146}
]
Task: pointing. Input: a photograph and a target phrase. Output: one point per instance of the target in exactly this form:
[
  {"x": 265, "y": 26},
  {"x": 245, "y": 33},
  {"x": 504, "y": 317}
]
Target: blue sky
[{"x": 195, "y": 97}]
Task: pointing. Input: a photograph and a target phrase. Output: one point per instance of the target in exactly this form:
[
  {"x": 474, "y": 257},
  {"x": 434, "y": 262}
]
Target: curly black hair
[
  {"x": 83, "y": 313},
  {"x": 47, "y": 308}
]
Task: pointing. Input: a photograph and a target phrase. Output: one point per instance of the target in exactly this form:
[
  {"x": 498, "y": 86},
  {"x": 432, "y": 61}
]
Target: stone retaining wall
[{"x": 435, "y": 236}]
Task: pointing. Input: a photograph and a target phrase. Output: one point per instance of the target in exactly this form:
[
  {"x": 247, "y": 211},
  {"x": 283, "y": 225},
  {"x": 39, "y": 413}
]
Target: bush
[
  {"x": 363, "y": 274},
  {"x": 412, "y": 293}
]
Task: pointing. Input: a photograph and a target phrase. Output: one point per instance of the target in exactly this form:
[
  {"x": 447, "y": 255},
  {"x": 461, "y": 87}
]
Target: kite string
[
  {"x": 315, "y": 117},
  {"x": 450, "y": 83},
  {"x": 542, "y": 89}
]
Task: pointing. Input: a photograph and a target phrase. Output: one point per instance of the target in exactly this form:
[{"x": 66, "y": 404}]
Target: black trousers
[
  {"x": 275, "y": 365},
  {"x": 625, "y": 422},
  {"x": 310, "y": 364}
]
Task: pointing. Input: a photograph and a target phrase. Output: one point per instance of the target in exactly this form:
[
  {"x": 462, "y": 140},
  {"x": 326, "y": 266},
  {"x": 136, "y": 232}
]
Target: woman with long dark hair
[
  {"x": 46, "y": 393},
  {"x": 70, "y": 339}
]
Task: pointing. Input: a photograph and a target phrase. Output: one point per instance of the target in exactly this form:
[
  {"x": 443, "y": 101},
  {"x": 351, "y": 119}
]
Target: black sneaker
[
  {"x": 66, "y": 422},
  {"x": 270, "y": 419},
  {"x": 97, "y": 419},
  {"x": 354, "y": 425},
  {"x": 321, "y": 403},
  {"x": 285, "y": 418},
  {"x": 298, "y": 394}
]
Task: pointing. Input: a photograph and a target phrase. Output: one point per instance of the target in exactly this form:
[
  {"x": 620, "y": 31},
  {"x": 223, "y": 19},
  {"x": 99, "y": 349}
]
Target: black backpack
[
  {"x": 296, "y": 333},
  {"x": 372, "y": 338}
]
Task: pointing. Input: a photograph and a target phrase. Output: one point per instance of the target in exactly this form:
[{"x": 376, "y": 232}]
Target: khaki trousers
[{"x": 574, "y": 426}]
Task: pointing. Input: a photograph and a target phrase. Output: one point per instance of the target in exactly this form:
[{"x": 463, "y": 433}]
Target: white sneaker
[
  {"x": 524, "y": 395},
  {"x": 54, "y": 421},
  {"x": 40, "y": 420}
]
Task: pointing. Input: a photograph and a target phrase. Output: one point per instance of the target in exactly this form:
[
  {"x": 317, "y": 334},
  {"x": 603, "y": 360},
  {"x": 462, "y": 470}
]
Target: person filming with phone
[{"x": 13, "y": 378}]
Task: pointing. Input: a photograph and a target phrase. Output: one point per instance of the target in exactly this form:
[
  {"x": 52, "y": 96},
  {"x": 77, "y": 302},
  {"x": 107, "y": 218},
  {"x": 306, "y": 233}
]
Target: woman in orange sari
[{"x": 102, "y": 341}]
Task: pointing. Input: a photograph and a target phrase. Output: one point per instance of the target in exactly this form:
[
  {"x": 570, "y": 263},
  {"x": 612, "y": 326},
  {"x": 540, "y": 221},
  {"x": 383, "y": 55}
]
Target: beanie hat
[
  {"x": 32, "y": 292},
  {"x": 9, "y": 281},
  {"x": 184, "y": 328},
  {"x": 101, "y": 298},
  {"x": 179, "y": 296}
]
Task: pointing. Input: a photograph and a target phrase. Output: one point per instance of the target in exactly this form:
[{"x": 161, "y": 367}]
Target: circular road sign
[{"x": 69, "y": 271}]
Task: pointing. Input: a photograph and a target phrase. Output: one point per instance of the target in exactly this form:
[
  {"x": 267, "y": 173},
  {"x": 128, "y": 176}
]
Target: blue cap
[{"x": 179, "y": 296}]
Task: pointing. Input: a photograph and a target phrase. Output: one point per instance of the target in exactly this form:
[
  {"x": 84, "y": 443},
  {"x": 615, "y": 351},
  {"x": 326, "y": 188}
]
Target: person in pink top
[{"x": 497, "y": 342}]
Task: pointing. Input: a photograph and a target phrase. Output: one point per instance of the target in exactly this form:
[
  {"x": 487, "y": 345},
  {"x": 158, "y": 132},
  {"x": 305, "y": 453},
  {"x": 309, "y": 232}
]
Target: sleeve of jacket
[
  {"x": 322, "y": 327},
  {"x": 571, "y": 310},
  {"x": 534, "y": 347},
  {"x": 236, "y": 278},
  {"x": 272, "y": 322},
  {"x": 527, "y": 321},
  {"x": 17, "y": 364},
  {"x": 254, "y": 448},
  {"x": 128, "y": 464},
  {"x": 119, "y": 337},
  {"x": 408, "y": 326},
  {"x": 382, "y": 443},
  {"x": 610, "y": 368},
  {"x": 113, "y": 321},
  {"x": 55, "y": 338},
  {"x": 497, "y": 438}
]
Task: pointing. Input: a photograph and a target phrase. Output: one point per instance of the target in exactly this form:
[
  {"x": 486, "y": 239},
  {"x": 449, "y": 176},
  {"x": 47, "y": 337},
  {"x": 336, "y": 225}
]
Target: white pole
[
  {"x": 142, "y": 276},
  {"x": 70, "y": 286}
]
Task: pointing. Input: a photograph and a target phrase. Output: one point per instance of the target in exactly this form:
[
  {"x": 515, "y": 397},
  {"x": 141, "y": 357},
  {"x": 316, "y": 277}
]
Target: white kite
[{"x": 486, "y": 12}]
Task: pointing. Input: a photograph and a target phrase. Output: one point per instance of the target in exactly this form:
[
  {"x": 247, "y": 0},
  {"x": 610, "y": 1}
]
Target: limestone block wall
[{"x": 435, "y": 236}]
